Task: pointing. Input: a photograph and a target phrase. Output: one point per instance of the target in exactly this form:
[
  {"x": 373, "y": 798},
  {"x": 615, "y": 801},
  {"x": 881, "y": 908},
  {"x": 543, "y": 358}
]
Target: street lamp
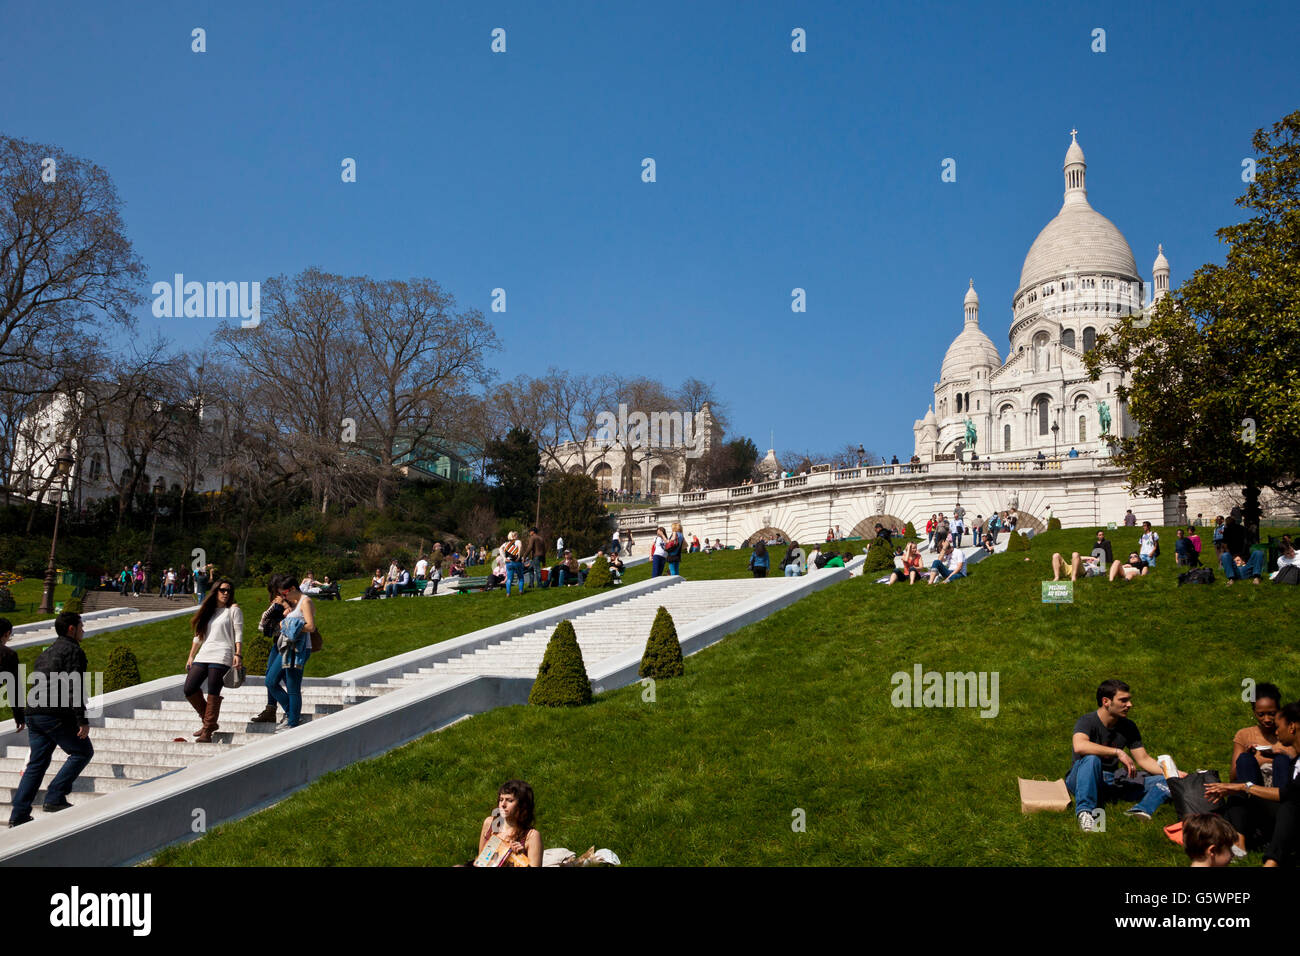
[
  {"x": 541, "y": 475},
  {"x": 862, "y": 453},
  {"x": 63, "y": 464},
  {"x": 1055, "y": 430}
]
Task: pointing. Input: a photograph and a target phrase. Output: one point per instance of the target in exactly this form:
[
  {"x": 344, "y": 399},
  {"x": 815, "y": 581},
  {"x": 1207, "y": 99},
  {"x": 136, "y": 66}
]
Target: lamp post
[
  {"x": 64, "y": 465},
  {"x": 1055, "y": 431},
  {"x": 541, "y": 475},
  {"x": 862, "y": 453}
]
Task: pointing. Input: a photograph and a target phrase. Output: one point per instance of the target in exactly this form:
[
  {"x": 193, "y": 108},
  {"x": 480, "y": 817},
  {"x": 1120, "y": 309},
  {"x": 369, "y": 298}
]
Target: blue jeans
[
  {"x": 290, "y": 698},
  {"x": 1253, "y": 568},
  {"x": 941, "y": 568},
  {"x": 792, "y": 570},
  {"x": 656, "y": 566},
  {"x": 274, "y": 675},
  {"x": 532, "y": 576},
  {"x": 44, "y": 733},
  {"x": 1091, "y": 786},
  {"x": 514, "y": 572},
  {"x": 673, "y": 567}
]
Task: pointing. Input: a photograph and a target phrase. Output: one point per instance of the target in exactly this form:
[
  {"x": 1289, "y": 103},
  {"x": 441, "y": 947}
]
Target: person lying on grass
[
  {"x": 1134, "y": 568},
  {"x": 1208, "y": 839},
  {"x": 512, "y": 821},
  {"x": 1087, "y": 565},
  {"x": 1268, "y": 817},
  {"x": 1102, "y": 770}
]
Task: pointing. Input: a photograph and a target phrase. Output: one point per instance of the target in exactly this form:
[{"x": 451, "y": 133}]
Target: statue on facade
[
  {"x": 880, "y": 502},
  {"x": 970, "y": 434},
  {"x": 1013, "y": 500},
  {"x": 1103, "y": 417}
]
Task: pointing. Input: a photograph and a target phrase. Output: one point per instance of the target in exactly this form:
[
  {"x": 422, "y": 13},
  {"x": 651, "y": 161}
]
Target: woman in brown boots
[{"x": 218, "y": 645}]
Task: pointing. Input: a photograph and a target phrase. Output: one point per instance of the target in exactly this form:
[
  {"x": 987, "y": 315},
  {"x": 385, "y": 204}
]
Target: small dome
[
  {"x": 1161, "y": 264},
  {"x": 929, "y": 417},
  {"x": 1075, "y": 153},
  {"x": 972, "y": 297}
]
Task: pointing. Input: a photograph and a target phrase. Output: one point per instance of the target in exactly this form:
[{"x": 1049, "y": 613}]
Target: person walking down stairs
[{"x": 217, "y": 646}]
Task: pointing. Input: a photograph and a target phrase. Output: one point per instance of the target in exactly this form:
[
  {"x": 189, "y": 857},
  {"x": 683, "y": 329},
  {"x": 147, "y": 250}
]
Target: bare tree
[{"x": 66, "y": 265}]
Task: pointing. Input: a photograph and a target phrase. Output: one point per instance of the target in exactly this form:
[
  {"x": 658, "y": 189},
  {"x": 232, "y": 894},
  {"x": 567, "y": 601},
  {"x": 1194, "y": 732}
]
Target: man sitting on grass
[
  {"x": 1099, "y": 741},
  {"x": 1134, "y": 568},
  {"x": 950, "y": 565}
]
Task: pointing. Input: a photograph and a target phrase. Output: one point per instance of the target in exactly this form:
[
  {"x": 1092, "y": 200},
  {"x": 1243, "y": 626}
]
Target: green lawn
[
  {"x": 794, "y": 713},
  {"x": 27, "y": 598}
]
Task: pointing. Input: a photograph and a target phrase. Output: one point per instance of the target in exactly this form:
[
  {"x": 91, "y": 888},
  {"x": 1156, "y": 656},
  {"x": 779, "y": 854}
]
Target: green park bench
[{"x": 466, "y": 584}]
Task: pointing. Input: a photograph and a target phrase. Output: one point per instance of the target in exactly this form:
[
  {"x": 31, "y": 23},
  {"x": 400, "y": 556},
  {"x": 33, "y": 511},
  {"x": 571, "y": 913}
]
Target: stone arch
[
  {"x": 866, "y": 528},
  {"x": 1027, "y": 522},
  {"x": 767, "y": 534},
  {"x": 603, "y": 474},
  {"x": 660, "y": 480},
  {"x": 576, "y": 469},
  {"x": 1067, "y": 338},
  {"x": 1040, "y": 424}
]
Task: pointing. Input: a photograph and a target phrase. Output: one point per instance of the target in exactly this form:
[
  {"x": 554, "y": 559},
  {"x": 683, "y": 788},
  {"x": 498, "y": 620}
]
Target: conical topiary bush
[
  {"x": 1017, "y": 542},
  {"x": 910, "y": 531},
  {"x": 562, "y": 678},
  {"x": 122, "y": 670},
  {"x": 1053, "y": 523},
  {"x": 256, "y": 653},
  {"x": 880, "y": 557},
  {"x": 598, "y": 576},
  {"x": 663, "y": 652}
]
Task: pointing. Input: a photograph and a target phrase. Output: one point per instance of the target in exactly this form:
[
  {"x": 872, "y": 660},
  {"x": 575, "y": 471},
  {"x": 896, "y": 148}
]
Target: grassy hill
[{"x": 794, "y": 714}]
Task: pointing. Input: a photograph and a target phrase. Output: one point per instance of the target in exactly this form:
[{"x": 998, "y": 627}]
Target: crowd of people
[{"x": 1257, "y": 808}]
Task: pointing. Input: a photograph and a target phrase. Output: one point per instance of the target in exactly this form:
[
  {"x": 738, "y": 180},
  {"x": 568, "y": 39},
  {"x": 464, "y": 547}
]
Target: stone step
[
  {"x": 177, "y": 726},
  {"x": 85, "y": 783},
  {"x": 76, "y": 798},
  {"x": 99, "y": 767}
]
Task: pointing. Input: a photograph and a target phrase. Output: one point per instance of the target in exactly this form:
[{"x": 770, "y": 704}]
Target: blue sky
[{"x": 775, "y": 170}]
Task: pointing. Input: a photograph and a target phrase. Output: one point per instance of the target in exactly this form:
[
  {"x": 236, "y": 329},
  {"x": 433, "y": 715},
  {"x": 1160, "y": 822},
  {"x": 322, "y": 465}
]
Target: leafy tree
[
  {"x": 571, "y": 507},
  {"x": 1209, "y": 368},
  {"x": 729, "y": 464},
  {"x": 514, "y": 462}
]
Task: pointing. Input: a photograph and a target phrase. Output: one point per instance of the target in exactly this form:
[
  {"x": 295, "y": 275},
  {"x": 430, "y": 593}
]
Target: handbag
[
  {"x": 235, "y": 676},
  {"x": 1188, "y": 794},
  {"x": 317, "y": 642}
]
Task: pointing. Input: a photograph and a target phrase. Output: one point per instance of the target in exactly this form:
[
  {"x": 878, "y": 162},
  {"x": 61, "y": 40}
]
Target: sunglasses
[{"x": 225, "y": 590}]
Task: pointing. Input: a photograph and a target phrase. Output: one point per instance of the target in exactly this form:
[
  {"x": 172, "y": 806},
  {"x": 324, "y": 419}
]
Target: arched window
[
  {"x": 1006, "y": 437},
  {"x": 1067, "y": 338},
  {"x": 1083, "y": 429},
  {"x": 659, "y": 480},
  {"x": 1041, "y": 407},
  {"x": 959, "y": 403},
  {"x": 604, "y": 475},
  {"x": 1089, "y": 338}
]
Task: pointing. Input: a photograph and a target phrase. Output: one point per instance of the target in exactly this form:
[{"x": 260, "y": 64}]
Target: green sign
[
  {"x": 1058, "y": 592},
  {"x": 58, "y": 607},
  {"x": 1112, "y": 526}
]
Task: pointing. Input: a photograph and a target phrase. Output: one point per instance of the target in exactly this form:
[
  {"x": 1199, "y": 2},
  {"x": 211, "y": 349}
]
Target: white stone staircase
[
  {"x": 350, "y": 716},
  {"x": 143, "y": 747}
]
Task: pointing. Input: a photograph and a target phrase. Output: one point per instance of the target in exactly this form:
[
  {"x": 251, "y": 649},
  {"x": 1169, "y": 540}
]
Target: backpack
[
  {"x": 1288, "y": 575},
  {"x": 674, "y": 550},
  {"x": 1196, "y": 576}
]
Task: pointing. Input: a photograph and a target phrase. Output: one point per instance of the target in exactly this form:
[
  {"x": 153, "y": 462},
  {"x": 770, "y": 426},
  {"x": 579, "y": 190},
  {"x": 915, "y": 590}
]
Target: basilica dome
[
  {"x": 971, "y": 347},
  {"x": 1079, "y": 239}
]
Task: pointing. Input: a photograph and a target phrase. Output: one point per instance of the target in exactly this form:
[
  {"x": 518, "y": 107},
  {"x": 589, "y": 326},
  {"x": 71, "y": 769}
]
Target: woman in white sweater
[{"x": 217, "y": 646}]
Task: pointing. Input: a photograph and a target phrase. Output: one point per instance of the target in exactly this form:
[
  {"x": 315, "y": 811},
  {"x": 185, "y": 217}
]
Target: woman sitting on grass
[
  {"x": 912, "y": 565},
  {"x": 376, "y": 586},
  {"x": 512, "y": 822}
]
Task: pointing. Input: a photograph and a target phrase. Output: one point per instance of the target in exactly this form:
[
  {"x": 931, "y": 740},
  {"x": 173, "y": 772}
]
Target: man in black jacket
[{"x": 56, "y": 717}]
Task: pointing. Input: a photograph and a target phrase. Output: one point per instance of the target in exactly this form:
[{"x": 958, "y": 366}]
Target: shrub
[
  {"x": 663, "y": 652},
  {"x": 122, "y": 670},
  {"x": 910, "y": 530},
  {"x": 256, "y": 653},
  {"x": 72, "y": 606},
  {"x": 1017, "y": 542},
  {"x": 562, "y": 678},
  {"x": 1053, "y": 524},
  {"x": 598, "y": 576},
  {"x": 6, "y": 600},
  {"x": 880, "y": 557}
]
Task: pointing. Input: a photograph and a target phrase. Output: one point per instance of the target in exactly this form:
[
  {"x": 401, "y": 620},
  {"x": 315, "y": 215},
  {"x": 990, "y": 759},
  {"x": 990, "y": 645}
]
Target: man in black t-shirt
[{"x": 1102, "y": 770}]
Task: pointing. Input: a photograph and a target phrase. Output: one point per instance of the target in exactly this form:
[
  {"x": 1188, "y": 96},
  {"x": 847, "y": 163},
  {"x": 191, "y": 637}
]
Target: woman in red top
[{"x": 911, "y": 568}]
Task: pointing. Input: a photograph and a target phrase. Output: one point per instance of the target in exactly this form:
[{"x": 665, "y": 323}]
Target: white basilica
[{"x": 1078, "y": 279}]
